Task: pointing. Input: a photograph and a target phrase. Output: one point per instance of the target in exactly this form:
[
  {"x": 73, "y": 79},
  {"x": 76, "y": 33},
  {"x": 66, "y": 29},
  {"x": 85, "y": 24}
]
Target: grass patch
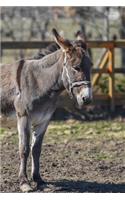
[
  {"x": 73, "y": 130},
  {"x": 2, "y": 132},
  {"x": 103, "y": 156},
  {"x": 5, "y": 132}
]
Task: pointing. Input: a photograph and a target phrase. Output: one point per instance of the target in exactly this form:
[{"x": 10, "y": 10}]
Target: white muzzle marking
[{"x": 85, "y": 94}]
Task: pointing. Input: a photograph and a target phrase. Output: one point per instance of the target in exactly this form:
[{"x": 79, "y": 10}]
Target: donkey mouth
[
  {"x": 83, "y": 101},
  {"x": 84, "y": 97}
]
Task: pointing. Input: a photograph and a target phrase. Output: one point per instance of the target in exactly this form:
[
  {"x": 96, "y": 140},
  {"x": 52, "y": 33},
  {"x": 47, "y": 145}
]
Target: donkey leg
[
  {"x": 24, "y": 149},
  {"x": 36, "y": 151}
]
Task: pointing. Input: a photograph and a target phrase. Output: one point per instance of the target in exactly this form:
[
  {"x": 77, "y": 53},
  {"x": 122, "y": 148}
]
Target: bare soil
[{"x": 76, "y": 157}]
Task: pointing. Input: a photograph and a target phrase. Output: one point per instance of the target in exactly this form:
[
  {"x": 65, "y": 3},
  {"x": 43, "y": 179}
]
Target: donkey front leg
[
  {"x": 24, "y": 149},
  {"x": 37, "y": 139}
]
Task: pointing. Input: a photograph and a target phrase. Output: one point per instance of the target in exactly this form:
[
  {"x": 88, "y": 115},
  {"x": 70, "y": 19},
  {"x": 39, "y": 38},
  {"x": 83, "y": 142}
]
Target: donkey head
[{"x": 76, "y": 69}]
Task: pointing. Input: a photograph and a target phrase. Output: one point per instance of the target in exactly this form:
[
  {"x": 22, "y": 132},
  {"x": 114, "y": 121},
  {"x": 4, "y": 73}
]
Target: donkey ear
[
  {"x": 80, "y": 36},
  {"x": 81, "y": 40},
  {"x": 64, "y": 44}
]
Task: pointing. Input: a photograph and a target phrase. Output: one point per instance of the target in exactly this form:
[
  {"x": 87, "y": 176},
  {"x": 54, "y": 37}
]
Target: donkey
[{"x": 34, "y": 86}]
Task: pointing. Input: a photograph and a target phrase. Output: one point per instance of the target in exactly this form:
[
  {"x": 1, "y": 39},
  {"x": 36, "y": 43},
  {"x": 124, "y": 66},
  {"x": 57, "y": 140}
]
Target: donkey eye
[{"x": 77, "y": 68}]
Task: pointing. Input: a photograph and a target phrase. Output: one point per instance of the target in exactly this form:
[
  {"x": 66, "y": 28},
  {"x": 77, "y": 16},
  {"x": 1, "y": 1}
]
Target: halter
[{"x": 72, "y": 84}]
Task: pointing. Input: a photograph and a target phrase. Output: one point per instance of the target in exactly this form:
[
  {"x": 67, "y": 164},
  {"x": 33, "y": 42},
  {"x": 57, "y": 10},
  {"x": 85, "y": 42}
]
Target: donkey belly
[{"x": 42, "y": 113}]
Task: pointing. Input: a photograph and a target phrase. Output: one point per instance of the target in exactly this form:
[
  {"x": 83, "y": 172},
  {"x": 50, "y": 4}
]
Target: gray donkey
[{"x": 33, "y": 87}]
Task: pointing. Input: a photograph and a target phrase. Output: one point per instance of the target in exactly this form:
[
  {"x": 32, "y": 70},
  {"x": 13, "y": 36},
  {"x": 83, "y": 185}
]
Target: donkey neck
[
  {"x": 45, "y": 74},
  {"x": 52, "y": 66}
]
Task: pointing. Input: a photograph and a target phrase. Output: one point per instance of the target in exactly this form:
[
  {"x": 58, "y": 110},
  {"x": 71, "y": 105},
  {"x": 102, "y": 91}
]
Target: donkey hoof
[
  {"x": 41, "y": 184},
  {"x": 25, "y": 187}
]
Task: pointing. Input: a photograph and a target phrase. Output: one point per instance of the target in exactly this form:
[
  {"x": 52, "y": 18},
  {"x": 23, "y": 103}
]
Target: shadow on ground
[{"x": 83, "y": 186}]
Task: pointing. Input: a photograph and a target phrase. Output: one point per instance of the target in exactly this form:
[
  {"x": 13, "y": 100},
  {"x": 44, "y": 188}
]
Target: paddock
[
  {"x": 89, "y": 156},
  {"x": 83, "y": 149},
  {"x": 77, "y": 164}
]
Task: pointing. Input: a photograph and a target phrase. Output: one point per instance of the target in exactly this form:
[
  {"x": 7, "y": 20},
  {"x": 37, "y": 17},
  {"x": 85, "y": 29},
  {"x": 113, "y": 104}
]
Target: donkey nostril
[
  {"x": 83, "y": 98},
  {"x": 86, "y": 100}
]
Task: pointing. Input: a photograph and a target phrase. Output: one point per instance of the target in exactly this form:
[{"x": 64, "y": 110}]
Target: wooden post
[
  {"x": 111, "y": 79},
  {"x": 101, "y": 66}
]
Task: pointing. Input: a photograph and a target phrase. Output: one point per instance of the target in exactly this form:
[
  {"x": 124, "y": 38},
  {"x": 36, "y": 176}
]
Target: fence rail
[
  {"x": 106, "y": 65},
  {"x": 43, "y": 44}
]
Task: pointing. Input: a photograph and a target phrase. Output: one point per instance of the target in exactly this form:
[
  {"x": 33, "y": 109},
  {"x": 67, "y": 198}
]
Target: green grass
[
  {"x": 2, "y": 132},
  {"x": 102, "y": 156},
  {"x": 64, "y": 131},
  {"x": 75, "y": 130}
]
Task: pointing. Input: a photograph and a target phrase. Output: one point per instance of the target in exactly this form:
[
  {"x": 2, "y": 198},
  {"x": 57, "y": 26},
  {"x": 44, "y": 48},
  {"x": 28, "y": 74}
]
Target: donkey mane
[
  {"x": 45, "y": 51},
  {"x": 46, "y": 61}
]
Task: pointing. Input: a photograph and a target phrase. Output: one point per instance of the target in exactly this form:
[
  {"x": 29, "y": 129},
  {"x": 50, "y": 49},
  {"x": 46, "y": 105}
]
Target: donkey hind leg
[
  {"x": 24, "y": 149},
  {"x": 37, "y": 139}
]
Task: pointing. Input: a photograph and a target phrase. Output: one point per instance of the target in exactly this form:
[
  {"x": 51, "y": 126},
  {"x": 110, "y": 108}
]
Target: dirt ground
[{"x": 76, "y": 157}]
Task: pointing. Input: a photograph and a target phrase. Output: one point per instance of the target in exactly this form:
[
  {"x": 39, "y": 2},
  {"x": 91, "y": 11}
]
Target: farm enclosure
[{"x": 76, "y": 157}]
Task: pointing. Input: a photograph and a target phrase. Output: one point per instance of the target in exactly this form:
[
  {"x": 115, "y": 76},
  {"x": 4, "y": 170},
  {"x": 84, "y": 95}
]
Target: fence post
[
  {"x": 102, "y": 64},
  {"x": 111, "y": 78}
]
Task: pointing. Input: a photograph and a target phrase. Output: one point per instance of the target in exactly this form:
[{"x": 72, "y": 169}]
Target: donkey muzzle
[{"x": 85, "y": 96}]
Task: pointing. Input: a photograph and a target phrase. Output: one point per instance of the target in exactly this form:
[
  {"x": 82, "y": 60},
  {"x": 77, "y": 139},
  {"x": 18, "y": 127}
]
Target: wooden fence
[{"x": 105, "y": 65}]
